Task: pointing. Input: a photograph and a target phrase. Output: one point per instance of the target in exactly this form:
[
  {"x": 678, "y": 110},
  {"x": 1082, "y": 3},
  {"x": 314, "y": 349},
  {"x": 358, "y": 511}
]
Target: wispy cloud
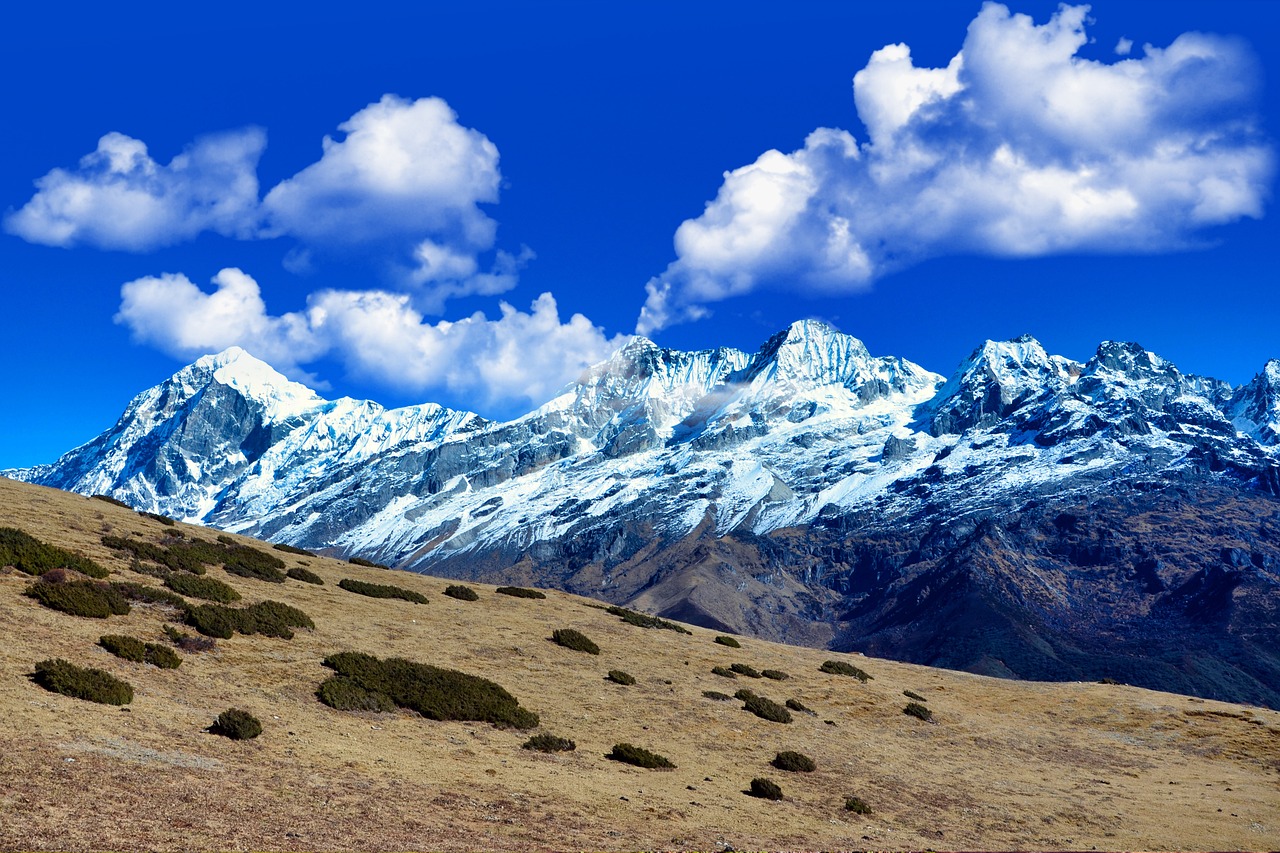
[
  {"x": 517, "y": 359},
  {"x": 1018, "y": 147}
]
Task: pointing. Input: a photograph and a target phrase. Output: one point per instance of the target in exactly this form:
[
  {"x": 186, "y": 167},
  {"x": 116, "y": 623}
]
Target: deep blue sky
[{"x": 614, "y": 123}]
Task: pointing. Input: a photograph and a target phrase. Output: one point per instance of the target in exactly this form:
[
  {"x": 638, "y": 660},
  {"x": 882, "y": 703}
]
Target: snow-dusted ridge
[{"x": 653, "y": 444}]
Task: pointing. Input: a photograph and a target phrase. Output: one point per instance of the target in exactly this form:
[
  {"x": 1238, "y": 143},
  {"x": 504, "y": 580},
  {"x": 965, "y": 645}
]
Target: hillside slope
[{"x": 1003, "y": 765}]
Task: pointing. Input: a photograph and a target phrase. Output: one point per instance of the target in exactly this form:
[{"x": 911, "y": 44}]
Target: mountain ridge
[{"x": 721, "y": 486}]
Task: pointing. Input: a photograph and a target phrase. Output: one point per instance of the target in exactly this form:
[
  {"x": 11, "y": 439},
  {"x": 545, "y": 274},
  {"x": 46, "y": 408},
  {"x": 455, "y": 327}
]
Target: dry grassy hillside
[{"x": 1002, "y": 765}]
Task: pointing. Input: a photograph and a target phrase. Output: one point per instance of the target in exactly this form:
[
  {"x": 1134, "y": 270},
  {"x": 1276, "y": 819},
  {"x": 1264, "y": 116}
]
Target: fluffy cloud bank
[
  {"x": 1018, "y": 147},
  {"x": 120, "y": 198},
  {"x": 405, "y": 177},
  {"x": 518, "y": 358}
]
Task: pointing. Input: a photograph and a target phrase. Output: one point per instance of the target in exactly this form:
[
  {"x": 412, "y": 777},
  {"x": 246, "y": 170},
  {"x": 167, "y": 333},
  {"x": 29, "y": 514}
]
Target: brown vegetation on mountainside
[{"x": 1001, "y": 764}]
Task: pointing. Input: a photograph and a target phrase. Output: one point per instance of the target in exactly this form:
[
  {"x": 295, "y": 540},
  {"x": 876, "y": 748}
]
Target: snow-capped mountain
[{"x": 769, "y": 492}]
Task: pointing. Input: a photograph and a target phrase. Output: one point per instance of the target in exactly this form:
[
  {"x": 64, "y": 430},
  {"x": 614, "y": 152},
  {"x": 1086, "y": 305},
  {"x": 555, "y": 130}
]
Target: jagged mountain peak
[
  {"x": 1254, "y": 408},
  {"x": 253, "y": 378}
]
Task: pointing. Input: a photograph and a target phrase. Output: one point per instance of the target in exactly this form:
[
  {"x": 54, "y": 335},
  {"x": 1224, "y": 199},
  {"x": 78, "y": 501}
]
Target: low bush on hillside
[
  {"x": 549, "y": 743},
  {"x": 28, "y": 554},
  {"x": 920, "y": 712},
  {"x": 744, "y": 694},
  {"x": 143, "y": 594},
  {"x": 434, "y": 692},
  {"x": 856, "y": 805},
  {"x": 717, "y": 696},
  {"x": 380, "y": 590},
  {"x": 111, "y": 500},
  {"x": 133, "y": 649},
  {"x": 728, "y": 641},
  {"x": 201, "y": 586},
  {"x": 766, "y": 709},
  {"x": 765, "y": 789},
  {"x": 462, "y": 593},
  {"x": 129, "y": 648},
  {"x": 911, "y": 694},
  {"x": 743, "y": 669},
  {"x": 189, "y": 642},
  {"x": 617, "y": 676},
  {"x": 574, "y": 639},
  {"x": 368, "y": 564},
  {"x": 794, "y": 762},
  {"x": 723, "y": 672},
  {"x": 155, "y": 516},
  {"x": 290, "y": 549},
  {"x": 797, "y": 705},
  {"x": 92, "y": 599},
  {"x": 268, "y": 618},
  {"x": 775, "y": 674},
  {"x": 305, "y": 575},
  {"x": 247, "y": 562},
  {"x": 93, "y": 685},
  {"x": 236, "y": 724},
  {"x": 644, "y": 620},
  {"x": 839, "y": 667},
  {"x": 628, "y": 754},
  {"x": 520, "y": 592}
]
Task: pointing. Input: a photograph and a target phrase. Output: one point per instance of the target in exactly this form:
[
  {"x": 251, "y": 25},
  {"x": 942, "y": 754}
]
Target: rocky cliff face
[{"x": 809, "y": 492}]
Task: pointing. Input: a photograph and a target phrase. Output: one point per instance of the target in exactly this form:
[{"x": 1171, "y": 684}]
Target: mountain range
[{"x": 1029, "y": 516}]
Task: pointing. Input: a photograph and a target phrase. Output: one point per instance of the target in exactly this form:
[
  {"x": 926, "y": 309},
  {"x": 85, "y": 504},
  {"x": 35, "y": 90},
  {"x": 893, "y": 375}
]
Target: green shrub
[
  {"x": 204, "y": 587},
  {"x": 728, "y": 641},
  {"x": 856, "y": 805},
  {"x": 150, "y": 595},
  {"x": 344, "y": 694},
  {"x": 766, "y": 709},
  {"x": 268, "y": 618},
  {"x": 290, "y": 549},
  {"x": 571, "y": 638},
  {"x": 378, "y": 590},
  {"x": 28, "y": 554},
  {"x": 162, "y": 656},
  {"x": 368, "y": 564},
  {"x": 839, "y": 667},
  {"x": 237, "y": 725},
  {"x": 643, "y": 620},
  {"x": 765, "y": 789},
  {"x": 617, "y": 676},
  {"x": 93, "y": 685},
  {"x": 305, "y": 575},
  {"x": 129, "y": 648},
  {"x": 911, "y": 694},
  {"x": 190, "y": 556},
  {"x": 462, "y": 593},
  {"x": 743, "y": 669},
  {"x": 794, "y": 762},
  {"x": 920, "y": 712},
  {"x": 155, "y": 516},
  {"x": 723, "y": 672},
  {"x": 80, "y": 598},
  {"x": 775, "y": 674},
  {"x": 434, "y": 692},
  {"x": 549, "y": 743},
  {"x": 247, "y": 562},
  {"x": 797, "y": 705},
  {"x": 628, "y": 754},
  {"x": 111, "y": 500},
  {"x": 744, "y": 694},
  {"x": 225, "y": 539},
  {"x": 520, "y": 592},
  {"x": 717, "y": 695},
  {"x": 188, "y": 642}
]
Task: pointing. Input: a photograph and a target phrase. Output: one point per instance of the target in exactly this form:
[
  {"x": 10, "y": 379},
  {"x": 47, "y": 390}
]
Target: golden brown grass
[{"x": 1005, "y": 765}]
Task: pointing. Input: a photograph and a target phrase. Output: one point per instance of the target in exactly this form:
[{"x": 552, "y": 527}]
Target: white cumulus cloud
[
  {"x": 1017, "y": 147},
  {"x": 404, "y": 180},
  {"x": 516, "y": 359},
  {"x": 120, "y": 198}
]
